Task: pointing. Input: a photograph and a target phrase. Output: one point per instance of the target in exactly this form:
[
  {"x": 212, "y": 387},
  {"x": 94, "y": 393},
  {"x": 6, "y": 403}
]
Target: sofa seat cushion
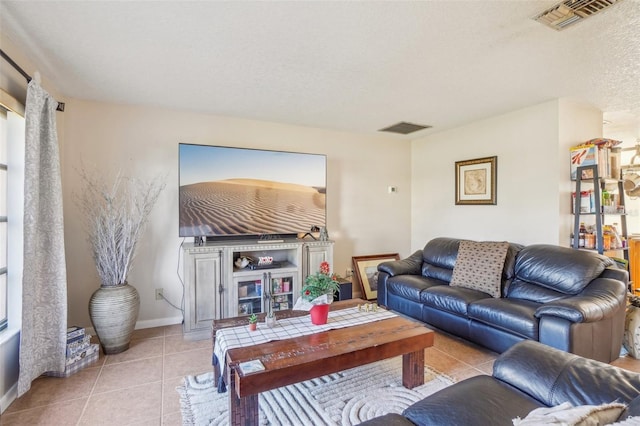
[
  {"x": 480, "y": 400},
  {"x": 513, "y": 315},
  {"x": 451, "y": 299},
  {"x": 410, "y": 286}
]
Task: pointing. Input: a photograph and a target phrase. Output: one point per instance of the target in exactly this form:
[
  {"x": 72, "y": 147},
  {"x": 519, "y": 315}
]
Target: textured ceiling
[{"x": 355, "y": 66}]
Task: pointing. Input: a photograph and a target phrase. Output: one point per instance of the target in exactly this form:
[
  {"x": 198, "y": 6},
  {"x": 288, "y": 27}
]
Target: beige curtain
[{"x": 44, "y": 282}]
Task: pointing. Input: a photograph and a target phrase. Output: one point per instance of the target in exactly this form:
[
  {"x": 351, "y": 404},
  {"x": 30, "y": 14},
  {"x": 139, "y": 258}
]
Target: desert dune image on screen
[{"x": 234, "y": 191}]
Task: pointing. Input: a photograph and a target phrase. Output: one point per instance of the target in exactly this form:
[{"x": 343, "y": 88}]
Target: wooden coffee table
[{"x": 302, "y": 358}]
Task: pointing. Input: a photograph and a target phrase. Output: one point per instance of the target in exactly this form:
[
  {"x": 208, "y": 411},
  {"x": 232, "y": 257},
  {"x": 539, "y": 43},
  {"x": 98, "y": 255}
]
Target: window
[
  {"x": 3, "y": 220},
  {"x": 12, "y": 133}
]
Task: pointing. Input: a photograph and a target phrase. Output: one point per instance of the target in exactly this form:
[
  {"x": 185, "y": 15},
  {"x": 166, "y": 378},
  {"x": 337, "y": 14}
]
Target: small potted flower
[
  {"x": 319, "y": 290},
  {"x": 253, "y": 322}
]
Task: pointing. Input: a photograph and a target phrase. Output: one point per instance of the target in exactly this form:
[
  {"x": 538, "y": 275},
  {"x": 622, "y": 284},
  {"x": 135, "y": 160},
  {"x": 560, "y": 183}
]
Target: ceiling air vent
[
  {"x": 569, "y": 12},
  {"x": 404, "y": 128}
]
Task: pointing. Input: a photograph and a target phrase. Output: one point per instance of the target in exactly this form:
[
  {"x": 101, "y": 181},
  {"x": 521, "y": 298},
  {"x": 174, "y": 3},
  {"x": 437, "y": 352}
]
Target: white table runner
[{"x": 237, "y": 337}]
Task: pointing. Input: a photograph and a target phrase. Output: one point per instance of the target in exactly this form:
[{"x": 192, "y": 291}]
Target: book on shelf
[
  {"x": 276, "y": 285},
  {"x": 243, "y": 290}
]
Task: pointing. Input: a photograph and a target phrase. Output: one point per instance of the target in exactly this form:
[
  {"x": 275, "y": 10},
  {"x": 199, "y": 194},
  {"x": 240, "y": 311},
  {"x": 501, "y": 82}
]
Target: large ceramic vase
[
  {"x": 114, "y": 312},
  {"x": 632, "y": 331}
]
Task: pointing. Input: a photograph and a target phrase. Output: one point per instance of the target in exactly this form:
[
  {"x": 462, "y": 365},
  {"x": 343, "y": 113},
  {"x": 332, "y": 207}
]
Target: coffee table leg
[
  {"x": 413, "y": 369},
  {"x": 242, "y": 411}
]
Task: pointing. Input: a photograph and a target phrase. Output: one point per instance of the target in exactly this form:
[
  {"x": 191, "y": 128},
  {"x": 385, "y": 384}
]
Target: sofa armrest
[
  {"x": 532, "y": 368},
  {"x": 601, "y": 299},
  {"x": 553, "y": 376},
  {"x": 412, "y": 265},
  {"x": 616, "y": 274}
]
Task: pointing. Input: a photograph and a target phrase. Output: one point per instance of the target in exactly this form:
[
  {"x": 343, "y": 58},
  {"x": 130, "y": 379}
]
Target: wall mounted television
[{"x": 239, "y": 192}]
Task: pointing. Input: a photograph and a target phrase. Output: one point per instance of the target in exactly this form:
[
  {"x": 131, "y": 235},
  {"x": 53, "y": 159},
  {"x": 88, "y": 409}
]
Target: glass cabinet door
[
  {"x": 257, "y": 292},
  {"x": 282, "y": 286},
  {"x": 250, "y": 296}
]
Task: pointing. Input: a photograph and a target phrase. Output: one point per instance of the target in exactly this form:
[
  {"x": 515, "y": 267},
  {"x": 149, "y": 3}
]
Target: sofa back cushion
[
  {"x": 509, "y": 272},
  {"x": 439, "y": 258},
  {"x": 560, "y": 269},
  {"x": 524, "y": 290}
]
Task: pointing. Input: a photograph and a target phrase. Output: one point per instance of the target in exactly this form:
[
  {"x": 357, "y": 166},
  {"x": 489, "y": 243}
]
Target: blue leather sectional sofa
[
  {"x": 526, "y": 377},
  {"x": 572, "y": 300}
]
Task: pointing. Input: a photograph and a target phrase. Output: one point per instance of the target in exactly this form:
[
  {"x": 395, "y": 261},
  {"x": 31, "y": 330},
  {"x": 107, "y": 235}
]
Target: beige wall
[
  {"x": 533, "y": 175},
  {"x": 362, "y": 217}
]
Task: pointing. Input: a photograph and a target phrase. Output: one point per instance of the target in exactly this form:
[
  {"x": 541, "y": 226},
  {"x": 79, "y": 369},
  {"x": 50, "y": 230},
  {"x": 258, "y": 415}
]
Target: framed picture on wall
[
  {"x": 366, "y": 272},
  {"x": 476, "y": 181}
]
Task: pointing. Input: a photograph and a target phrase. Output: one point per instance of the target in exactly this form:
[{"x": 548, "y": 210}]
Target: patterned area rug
[{"x": 346, "y": 398}]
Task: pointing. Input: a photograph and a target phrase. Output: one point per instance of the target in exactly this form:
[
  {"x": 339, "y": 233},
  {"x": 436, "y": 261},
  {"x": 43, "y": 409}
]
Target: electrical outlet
[
  {"x": 159, "y": 294},
  {"x": 349, "y": 272}
]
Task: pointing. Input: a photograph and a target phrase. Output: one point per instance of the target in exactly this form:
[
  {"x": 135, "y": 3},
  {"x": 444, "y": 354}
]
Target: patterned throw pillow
[{"x": 479, "y": 266}]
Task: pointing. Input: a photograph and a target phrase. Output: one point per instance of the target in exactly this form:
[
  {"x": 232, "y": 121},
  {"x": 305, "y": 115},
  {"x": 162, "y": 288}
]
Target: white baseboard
[
  {"x": 160, "y": 322},
  {"x": 9, "y": 397}
]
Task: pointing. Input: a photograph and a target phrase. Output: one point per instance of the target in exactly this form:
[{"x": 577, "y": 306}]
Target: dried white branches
[{"x": 116, "y": 216}]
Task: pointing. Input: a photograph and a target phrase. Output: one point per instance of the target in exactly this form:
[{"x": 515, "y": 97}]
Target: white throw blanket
[{"x": 567, "y": 415}]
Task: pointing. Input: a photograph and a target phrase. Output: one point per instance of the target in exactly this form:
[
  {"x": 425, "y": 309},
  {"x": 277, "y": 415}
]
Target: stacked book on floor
[{"x": 80, "y": 352}]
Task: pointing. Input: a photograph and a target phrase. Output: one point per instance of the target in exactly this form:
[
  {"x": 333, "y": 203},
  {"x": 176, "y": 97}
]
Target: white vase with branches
[{"x": 116, "y": 215}]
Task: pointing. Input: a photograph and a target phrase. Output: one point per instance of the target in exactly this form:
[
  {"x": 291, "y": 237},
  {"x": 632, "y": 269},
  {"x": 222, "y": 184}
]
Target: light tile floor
[{"x": 137, "y": 387}]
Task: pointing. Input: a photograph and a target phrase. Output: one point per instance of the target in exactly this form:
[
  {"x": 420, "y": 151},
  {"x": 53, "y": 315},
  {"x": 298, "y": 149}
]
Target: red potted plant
[{"x": 319, "y": 290}]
